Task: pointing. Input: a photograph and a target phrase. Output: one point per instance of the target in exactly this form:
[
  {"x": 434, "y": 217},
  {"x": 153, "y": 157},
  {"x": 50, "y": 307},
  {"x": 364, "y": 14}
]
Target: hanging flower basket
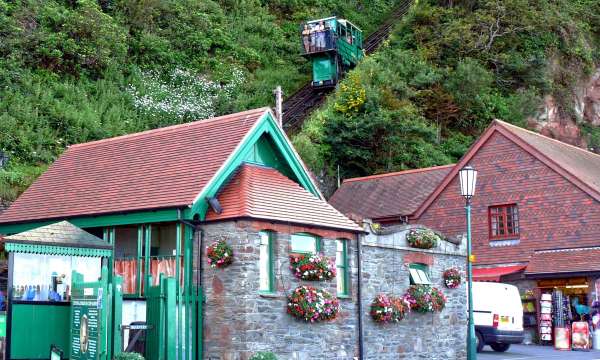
[
  {"x": 312, "y": 267},
  {"x": 386, "y": 309},
  {"x": 422, "y": 238},
  {"x": 424, "y": 298},
  {"x": 452, "y": 278},
  {"x": 219, "y": 254},
  {"x": 312, "y": 305}
]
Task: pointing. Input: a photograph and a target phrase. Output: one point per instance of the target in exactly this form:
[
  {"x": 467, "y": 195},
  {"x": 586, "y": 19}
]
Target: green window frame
[
  {"x": 266, "y": 263},
  {"x": 341, "y": 262},
  {"x": 303, "y": 243},
  {"x": 419, "y": 274}
]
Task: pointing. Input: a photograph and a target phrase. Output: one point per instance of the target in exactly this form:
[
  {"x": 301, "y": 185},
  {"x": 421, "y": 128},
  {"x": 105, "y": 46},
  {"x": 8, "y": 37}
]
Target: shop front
[
  {"x": 561, "y": 291},
  {"x": 40, "y": 267}
]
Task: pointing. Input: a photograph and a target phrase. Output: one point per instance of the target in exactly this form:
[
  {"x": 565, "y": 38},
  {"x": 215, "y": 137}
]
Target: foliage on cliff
[
  {"x": 79, "y": 70},
  {"x": 448, "y": 70}
]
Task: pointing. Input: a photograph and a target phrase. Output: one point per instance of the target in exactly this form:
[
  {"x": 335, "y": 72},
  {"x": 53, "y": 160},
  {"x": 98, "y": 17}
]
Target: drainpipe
[
  {"x": 200, "y": 243},
  {"x": 359, "y": 295}
]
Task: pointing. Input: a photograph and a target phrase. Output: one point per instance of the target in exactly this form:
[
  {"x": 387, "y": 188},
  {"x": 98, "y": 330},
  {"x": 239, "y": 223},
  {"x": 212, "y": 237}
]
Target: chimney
[{"x": 279, "y": 105}]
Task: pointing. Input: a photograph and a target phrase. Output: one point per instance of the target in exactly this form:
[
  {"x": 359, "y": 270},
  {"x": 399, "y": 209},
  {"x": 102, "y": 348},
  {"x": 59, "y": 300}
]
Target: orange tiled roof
[
  {"x": 264, "y": 193},
  {"x": 162, "y": 168},
  {"x": 558, "y": 261},
  {"x": 387, "y": 195}
]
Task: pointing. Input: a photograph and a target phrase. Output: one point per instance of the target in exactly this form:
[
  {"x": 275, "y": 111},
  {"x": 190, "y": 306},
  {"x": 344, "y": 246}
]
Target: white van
[{"x": 497, "y": 315}]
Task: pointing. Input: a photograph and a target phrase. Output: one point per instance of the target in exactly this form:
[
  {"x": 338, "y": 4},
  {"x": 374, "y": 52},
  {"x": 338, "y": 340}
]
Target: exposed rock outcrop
[{"x": 555, "y": 122}]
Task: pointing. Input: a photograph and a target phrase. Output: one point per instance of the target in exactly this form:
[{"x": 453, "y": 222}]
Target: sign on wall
[{"x": 85, "y": 336}]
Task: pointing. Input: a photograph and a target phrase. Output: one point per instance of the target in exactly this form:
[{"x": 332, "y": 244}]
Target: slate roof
[
  {"x": 260, "y": 192},
  {"x": 162, "y": 168},
  {"x": 572, "y": 260},
  {"x": 387, "y": 195},
  {"x": 59, "y": 234}
]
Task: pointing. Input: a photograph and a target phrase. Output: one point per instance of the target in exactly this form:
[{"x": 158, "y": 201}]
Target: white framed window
[
  {"x": 266, "y": 267},
  {"x": 305, "y": 243},
  {"x": 419, "y": 274}
]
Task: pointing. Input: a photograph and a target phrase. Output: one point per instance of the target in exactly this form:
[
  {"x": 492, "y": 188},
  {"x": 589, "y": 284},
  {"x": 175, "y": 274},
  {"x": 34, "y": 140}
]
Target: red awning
[{"x": 494, "y": 274}]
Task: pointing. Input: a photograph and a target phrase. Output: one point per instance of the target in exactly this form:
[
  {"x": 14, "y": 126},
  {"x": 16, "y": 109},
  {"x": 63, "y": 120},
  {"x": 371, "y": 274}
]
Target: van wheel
[
  {"x": 499, "y": 347},
  {"x": 479, "y": 341}
]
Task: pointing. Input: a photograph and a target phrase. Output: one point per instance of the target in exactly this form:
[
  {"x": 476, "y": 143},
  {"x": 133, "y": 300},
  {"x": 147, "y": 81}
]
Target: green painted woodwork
[
  {"x": 47, "y": 324},
  {"x": 324, "y": 68},
  {"x": 265, "y": 125},
  {"x": 2, "y": 325},
  {"x": 139, "y": 217},
  {"x": 264, "y": 152},
  {"x": 56, "y": 250},
  {"x": 85, "y": 298},
  {"x": 117, "y": 315},
  {"x": 342, "y": 269},
  {"x": 160, "y": 316}
]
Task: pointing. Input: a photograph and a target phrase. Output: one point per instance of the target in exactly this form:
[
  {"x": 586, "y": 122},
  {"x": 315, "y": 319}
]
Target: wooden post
[{"x": 279, "y": 105}]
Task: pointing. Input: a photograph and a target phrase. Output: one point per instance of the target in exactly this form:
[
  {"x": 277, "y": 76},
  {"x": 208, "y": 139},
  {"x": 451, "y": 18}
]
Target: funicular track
[{"x": 300, "y": 104}]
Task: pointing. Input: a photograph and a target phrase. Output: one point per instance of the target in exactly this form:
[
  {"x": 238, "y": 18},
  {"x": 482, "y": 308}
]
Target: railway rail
[{"x": 300, "y": 104}]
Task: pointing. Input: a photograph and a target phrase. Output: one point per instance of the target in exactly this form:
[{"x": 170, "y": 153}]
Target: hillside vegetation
[
  {"x": 449, "y": 68},
  {"x": 78, "y": 70}
]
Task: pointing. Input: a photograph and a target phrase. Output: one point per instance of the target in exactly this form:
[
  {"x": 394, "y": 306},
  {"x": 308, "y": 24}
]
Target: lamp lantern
[{"x": 468, "y": 180}]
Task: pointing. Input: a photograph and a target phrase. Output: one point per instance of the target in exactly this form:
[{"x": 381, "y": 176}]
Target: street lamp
[{"x": 468, "y": 179}]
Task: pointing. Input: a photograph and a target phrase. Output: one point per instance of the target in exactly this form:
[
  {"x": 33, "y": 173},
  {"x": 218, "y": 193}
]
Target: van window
[{"x": 419, "y": 274}]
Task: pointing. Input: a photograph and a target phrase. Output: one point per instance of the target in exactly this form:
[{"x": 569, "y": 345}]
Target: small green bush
[
  {"x": 129, "y": 356},
  {"x": 264, "y": 355}
]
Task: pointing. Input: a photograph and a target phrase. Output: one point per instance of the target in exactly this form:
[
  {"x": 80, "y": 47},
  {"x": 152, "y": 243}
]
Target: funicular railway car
[{"x": 333, "y": 46}]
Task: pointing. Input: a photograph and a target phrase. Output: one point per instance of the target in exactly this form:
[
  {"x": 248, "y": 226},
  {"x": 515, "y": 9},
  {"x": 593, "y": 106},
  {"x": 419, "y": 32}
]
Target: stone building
[{"x": 161, "y": 197}]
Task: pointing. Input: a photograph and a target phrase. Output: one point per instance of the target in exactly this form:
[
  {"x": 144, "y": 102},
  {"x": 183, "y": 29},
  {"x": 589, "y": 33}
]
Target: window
[
  {"x": 267, "y": 278},
  {"x": 305, "y": 243},
  {"x": 341, "y": 262},
  {"x": 504, "y": 221},
  {"x": 419, "y": 275}
]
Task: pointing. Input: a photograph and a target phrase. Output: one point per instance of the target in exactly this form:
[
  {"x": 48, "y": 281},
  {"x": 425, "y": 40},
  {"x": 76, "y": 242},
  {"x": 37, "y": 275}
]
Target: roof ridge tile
[{"x": 398, "y": 173}]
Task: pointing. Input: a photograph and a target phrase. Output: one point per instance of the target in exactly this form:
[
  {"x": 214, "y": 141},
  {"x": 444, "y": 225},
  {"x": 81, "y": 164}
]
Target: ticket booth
[{"x": 41, "y": 263}]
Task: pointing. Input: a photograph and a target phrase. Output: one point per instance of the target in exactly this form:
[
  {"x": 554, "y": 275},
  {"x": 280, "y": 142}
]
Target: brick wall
[{"x": 553, "y": 212}]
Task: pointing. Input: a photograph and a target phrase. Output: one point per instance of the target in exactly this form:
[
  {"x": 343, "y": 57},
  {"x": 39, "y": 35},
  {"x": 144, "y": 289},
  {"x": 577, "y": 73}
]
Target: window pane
[
  {"x": 304, "y": 244},
  {"x": 341, "y": 261},
  {"x": 424, "y": 277},
  {"x": 264, "y": 262},
  {"x": 414, "y": 275}
]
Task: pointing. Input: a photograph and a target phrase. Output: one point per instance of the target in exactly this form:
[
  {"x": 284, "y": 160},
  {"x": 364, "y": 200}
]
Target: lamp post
[{"x": 468, "y": 179}]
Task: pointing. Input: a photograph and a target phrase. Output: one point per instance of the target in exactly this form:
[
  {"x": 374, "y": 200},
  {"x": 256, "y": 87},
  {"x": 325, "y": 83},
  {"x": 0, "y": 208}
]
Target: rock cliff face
[{"x": 555, "y": 122}]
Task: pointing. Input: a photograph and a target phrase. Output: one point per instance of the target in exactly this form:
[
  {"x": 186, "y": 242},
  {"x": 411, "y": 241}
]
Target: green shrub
[
  {"x": 264, "y": 355},
  {"x": 129, "y": 356}
]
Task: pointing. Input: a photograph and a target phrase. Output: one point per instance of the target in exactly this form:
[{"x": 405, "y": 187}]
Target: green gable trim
[
  {"x": 139, "y": 217},
  {"x": 56, "y": 250},
  {"x": 249, "y": 150}
]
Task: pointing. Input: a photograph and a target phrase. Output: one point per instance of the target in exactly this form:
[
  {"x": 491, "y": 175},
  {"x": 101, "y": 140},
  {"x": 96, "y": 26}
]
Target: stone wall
[
  {"x": 385, "y": 260},
  {"x": 238, "y": 321}
]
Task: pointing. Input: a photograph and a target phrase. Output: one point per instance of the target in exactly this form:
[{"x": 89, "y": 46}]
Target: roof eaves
[{"x": 397, "y": 173}]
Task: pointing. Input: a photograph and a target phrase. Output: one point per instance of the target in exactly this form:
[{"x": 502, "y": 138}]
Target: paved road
[{"x": 523, "y": 352}]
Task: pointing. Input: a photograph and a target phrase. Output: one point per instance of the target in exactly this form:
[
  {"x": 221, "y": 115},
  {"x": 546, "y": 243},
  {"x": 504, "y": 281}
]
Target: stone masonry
[
  {"x": 385, "y": 260},
  {"x": 238, "y": 321}
]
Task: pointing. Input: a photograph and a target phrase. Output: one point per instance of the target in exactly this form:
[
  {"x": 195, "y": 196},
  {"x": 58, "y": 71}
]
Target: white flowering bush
[{"x": 182, "y": 94}]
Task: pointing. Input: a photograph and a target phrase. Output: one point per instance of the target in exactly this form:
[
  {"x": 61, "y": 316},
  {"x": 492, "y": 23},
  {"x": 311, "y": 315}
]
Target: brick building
[{"x": 535, "y": 214}]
